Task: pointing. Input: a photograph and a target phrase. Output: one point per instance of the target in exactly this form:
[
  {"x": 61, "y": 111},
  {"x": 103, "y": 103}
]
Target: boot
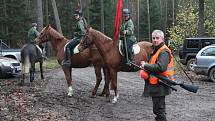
[
  {"x": 129, "y": 58},
  {"x": 67, "y": 61}
]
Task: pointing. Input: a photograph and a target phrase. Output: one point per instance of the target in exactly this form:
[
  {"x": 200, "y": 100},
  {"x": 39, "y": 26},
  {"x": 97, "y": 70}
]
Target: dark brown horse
[
  {"x": 79, "y": 60},
  {"x": 111, "y": 55},
  {"x": 30, "y": 55}
]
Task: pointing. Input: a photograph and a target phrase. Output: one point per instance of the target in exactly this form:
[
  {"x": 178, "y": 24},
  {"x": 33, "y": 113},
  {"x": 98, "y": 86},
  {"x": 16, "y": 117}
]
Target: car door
[{"x": 206, "y": 57}]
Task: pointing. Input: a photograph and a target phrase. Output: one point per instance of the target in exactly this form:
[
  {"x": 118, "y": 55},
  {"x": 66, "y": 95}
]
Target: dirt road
[{"x": 47, "y": 100}]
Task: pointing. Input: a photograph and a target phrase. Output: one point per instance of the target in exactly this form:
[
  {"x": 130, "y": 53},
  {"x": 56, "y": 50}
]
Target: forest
[{"x": 177, "y": 18}]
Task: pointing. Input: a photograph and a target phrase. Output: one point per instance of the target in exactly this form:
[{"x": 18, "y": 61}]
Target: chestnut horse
[
  {"x": 79, "y": 60},
  {"x": 112, "y": 57}
]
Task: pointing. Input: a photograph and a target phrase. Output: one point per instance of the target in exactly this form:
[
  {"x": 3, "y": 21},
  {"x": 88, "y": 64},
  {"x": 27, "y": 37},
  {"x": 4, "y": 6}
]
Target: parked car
[
  {"x": 6, "y": 51},
  {"x": 189, "y": 49},
  {"x": 9, "y": 67},
  {"x": 205, "y": 62}
]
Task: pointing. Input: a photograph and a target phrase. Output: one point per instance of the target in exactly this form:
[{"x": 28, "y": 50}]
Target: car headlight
[{"x": 6, "y": 64}]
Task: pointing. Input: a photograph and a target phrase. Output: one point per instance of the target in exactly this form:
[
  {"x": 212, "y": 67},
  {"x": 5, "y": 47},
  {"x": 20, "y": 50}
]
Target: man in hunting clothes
[
  {"x": 78, "y": 34},
  {"x": 32, "y": 34},
  {"x": 127, "y": 35},
  {"x": 161, "y": 62}
]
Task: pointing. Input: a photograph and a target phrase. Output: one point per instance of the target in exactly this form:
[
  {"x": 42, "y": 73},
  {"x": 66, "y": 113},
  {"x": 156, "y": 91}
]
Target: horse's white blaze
[
  {"x": 70, "y": 91},
  {"x": 26, "y": 65}
]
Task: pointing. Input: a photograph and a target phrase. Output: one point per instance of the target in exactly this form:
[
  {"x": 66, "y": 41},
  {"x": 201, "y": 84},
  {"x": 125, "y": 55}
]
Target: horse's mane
[
  {"x": 99, "y": 34},
  {"x": 56, "y": 33}
]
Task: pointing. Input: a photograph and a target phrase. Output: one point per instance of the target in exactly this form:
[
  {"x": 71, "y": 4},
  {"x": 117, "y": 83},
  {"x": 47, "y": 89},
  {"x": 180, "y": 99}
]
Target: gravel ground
[{"x": 47, "y": 99}]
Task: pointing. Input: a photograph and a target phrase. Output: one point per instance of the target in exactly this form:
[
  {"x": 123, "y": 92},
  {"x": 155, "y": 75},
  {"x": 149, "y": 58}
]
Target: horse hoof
[
  {"x": 20, "y": 84},
  {"x": 70, "y": 94},
  {"x": 114, "y": 101},
  {"x": 102, "y": 94},
  {"x": 92, "y": 96}
]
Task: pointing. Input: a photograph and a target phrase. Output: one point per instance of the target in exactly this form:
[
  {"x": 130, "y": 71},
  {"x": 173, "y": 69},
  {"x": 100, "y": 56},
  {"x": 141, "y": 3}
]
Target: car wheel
[
  {"x": 190, "y": 64},
  {"x": 212, "y": 74}
]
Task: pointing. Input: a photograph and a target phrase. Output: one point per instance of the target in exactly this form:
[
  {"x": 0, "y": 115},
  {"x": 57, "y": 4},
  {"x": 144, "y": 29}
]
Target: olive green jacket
[
  {"x": 128, "y": 26},
  {"x": 159, "y": 67},
  {"x": 79, "y": 28},
  {"x": 32, "y": 34}
]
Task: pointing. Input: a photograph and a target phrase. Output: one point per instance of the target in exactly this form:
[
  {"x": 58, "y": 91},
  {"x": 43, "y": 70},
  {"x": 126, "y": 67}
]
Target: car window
[
  {"x": 208, "y": 52},
  {"x": 192, "y": 43}
]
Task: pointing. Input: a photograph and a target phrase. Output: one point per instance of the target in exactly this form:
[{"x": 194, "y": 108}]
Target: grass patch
[{"x": 50, "y": 63}]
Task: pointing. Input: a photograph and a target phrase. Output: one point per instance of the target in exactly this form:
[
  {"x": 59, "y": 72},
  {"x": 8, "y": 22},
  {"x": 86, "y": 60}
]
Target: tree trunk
[
  {"x": 56, "y": 16},
  {"x": 138, "y": 20},
  {"x": 102, "y": 16},
  {"x": 201, "y": 29},
  {"x": 148, "y": 15},
  {"x": 47, "y": 12},
  {"x": 39, "y": 15}
]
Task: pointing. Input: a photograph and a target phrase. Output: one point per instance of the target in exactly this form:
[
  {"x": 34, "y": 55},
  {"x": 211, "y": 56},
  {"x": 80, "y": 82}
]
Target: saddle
[
  {"x": 135, "y": 48},
  {"x": 75, "y": 50},
  {"x": 38, "y": 49}
]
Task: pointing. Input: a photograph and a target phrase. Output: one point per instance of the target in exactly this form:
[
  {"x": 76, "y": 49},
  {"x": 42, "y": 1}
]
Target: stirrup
[
  {"x": 128, "y": 62},
  {"x": 66, "y": 63}
]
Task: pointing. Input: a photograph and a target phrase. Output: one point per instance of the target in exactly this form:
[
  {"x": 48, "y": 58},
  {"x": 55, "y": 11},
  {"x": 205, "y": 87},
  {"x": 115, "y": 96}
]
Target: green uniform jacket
[
  {"x": 79, "y": 29},
  {"x": 128, "y": 26},
  {"x": 32, "y": 34},
  {"x": 159, "y": 67}
]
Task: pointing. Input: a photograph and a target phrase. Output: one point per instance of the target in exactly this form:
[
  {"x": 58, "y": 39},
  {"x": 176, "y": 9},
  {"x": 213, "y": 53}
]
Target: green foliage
[
  {"x": 16, "y": 17},
  {"x": 186, "y": 26},
  {"x": 209, "y": 17}
]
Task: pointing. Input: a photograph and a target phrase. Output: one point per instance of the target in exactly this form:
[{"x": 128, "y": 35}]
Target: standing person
[
  {"x": 127, "y": 35},
  {"x": 161, "y": 62},
  {"x": 78, "y": 34},
  {"x": 32, "y": 34}
]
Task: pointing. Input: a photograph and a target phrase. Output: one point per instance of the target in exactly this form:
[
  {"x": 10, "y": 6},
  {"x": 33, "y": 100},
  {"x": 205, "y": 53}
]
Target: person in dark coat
[
  {"x": 78, "y": 34},
  {"x": 161, "y": 62},
  {"x": 32, "y": 34}
]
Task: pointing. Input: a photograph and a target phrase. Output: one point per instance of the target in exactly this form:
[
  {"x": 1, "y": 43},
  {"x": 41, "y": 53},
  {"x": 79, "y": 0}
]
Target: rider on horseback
[
  {"x": 32, "y": 34},
  {"x": 127, "y": 35},
  {"x": 78, "y": 34}
]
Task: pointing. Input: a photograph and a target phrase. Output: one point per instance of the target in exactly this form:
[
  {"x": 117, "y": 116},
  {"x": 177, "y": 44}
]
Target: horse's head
[
  {"x": 43, "y": 36},
  {"x": 86, "y": 41}
]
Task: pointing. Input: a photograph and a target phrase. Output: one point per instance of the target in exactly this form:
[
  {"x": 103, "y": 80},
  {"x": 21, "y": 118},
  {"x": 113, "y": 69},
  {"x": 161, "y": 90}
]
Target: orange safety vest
[{"x": 170, "y": 69}]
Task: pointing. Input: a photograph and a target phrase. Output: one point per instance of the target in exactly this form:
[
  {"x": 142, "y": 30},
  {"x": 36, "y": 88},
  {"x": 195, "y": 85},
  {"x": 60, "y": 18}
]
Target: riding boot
[
  {"x": 129, "y": 58},
  {"x": 67, "y": 61}
]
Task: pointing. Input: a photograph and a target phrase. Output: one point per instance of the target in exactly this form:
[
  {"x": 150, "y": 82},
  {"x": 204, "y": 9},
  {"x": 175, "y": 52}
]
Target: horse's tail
[{"x": 25, "y": 64}]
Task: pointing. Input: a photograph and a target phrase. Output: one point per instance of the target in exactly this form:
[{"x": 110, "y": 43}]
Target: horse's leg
[
  {"x": 67, "y": 72},
  {"x": 22, "y": 79},
  {"x": 98, "y": 79},
  {"x": 32, "y": 71},
  {"x": 113, "y": 74},
  {"x": 41, "y": 70},
  {"x": 106, "y": 90}
]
